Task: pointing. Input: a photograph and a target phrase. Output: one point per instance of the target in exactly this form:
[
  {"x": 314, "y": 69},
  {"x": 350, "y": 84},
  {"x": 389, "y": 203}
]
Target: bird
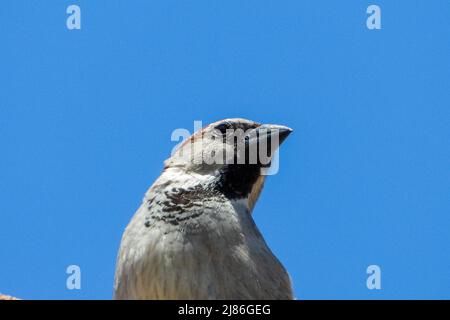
[{"x": 194, "y": 237}]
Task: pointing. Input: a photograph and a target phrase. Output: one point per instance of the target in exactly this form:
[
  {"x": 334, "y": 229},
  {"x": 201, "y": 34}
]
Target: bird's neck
[{"x": 234, "y": 181}]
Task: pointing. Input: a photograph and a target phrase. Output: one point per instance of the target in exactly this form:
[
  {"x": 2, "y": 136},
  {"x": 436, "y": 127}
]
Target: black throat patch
[{"x": 236, "y": 180}]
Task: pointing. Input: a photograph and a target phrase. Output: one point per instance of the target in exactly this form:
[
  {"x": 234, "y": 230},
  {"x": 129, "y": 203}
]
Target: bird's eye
[{"x": 223, "y": 127}]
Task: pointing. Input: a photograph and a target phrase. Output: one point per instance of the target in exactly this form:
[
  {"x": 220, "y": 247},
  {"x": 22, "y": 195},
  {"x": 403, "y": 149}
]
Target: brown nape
[{"x": 193, "y": 137}]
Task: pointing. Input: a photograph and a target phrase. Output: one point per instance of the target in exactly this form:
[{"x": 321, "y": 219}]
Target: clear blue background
[{"x": 86, "y": 118}]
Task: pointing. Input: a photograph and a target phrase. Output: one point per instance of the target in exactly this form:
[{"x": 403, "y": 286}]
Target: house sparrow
[{"x": 194, "y": 237}]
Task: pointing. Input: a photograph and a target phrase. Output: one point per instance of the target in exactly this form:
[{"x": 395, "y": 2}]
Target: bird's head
[{"x": 232, "y": 151}]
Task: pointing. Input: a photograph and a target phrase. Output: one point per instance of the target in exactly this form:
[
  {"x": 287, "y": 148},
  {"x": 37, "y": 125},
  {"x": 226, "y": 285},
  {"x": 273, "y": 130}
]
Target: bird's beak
[
  {"x": 274, "y": 129},
  {"x": 263, "y": 141},
  {"x": 268, "y": 132}
]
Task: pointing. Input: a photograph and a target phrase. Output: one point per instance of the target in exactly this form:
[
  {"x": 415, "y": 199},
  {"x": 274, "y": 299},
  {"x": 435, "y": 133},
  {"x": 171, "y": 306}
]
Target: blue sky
[{"x": 86, "y": 117}]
